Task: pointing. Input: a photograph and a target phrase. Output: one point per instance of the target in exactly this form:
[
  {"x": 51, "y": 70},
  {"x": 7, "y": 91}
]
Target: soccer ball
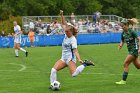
[{"x": 55, "y": 85}]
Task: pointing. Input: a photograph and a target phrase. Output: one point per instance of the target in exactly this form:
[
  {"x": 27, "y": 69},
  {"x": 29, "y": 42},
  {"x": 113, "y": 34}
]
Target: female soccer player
[
  {"x": 17, "y": 39},
  {"x": 133, "y": 42},
  {"x": 69, "y": 52}
]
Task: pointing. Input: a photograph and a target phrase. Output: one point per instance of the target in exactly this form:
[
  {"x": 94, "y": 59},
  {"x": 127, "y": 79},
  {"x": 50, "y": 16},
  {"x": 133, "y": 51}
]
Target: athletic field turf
[{"x": 31, "y": 74}]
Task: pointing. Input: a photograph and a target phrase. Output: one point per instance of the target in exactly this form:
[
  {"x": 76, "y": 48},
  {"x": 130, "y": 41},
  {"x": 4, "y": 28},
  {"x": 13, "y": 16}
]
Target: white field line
[
  {"x": 64, "y": 72},
  {"x": 23, "y": 67}
]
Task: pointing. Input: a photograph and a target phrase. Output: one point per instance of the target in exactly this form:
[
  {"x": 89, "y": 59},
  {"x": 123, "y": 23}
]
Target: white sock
[
  {"x": 22, "y": 49},
  {"x": 53, "y": 75},
  {"x": 78, "y": 70},
  {"x": 16, "y": 52}
]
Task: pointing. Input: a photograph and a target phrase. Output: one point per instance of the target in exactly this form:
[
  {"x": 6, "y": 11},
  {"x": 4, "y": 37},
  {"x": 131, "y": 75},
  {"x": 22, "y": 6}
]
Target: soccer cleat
[
  {"x": 88, "y": 63},
  {"x": 26, "y": 53},
  {"x": 16, "y": 56},
  {"x": 50, "y": 88},
  {"x": 122, "y": 82}
]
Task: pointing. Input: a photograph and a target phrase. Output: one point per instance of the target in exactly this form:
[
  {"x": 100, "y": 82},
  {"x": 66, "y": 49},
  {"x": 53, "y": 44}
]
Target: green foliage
[
  {"x": 56, "y": 5},
  {"x": 7, "y": 25},
  {"x": 84, "y": 7},
  {"x": 124, "y": 8},
  {"x": 5, "y": 11}
]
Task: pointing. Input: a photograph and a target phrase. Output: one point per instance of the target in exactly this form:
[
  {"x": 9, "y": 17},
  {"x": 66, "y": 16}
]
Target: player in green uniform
[{"x": 130, "y": 37}]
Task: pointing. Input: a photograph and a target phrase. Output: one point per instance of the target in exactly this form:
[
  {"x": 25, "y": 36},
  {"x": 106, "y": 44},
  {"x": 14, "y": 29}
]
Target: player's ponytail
[
  {"x": 75, "y": 31},
  {"x": 133, "y": 21}
]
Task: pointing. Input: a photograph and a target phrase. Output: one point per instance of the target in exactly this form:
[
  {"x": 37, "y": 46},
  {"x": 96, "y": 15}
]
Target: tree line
[{"x": 124, "y": 8}]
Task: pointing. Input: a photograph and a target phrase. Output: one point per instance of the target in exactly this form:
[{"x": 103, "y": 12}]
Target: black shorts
[{"x": 134, "y": 53}]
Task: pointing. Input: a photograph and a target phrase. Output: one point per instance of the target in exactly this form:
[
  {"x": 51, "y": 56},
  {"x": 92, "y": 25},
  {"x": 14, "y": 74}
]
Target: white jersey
[
  {"x": 67, "y": 49},
  {"x": 17, "y": 30}
]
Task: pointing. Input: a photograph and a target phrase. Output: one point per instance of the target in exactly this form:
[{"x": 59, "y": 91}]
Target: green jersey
[{"x": 130, "y": 37}]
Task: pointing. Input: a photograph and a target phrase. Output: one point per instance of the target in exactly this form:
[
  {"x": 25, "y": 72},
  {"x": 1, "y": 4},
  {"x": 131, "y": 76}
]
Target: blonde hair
[
  {"x": 75, "y": 31},
  {"x": 133, "y": 21},
  {"x": 15, "y": 22}
]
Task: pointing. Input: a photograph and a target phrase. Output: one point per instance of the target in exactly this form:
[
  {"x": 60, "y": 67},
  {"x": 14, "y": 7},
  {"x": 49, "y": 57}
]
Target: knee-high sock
[
  {"x": 22, "y": 49},
  {"x": 78, "y": 70},
  {"x": 16, "y": 52},
  {"x": 124, "y": 77},
  {"x": 53, "y": 75}
]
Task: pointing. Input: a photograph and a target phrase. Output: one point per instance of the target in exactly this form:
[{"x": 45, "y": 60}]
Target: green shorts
[{"x": 134, "y": 53}]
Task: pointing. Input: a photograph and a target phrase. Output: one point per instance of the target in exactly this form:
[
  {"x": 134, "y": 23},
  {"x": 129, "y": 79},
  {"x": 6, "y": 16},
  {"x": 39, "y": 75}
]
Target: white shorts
[
  {"x": 17, "y": 40},
  {"x": 67, "y": 60}
]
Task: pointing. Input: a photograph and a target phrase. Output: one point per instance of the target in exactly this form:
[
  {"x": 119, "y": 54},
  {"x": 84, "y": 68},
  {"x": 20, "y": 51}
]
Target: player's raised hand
[{"x": 61, "y": 12}]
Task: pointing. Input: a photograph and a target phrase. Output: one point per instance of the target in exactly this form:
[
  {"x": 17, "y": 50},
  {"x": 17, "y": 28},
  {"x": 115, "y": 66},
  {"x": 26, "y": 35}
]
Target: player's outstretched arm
[
  {"x": 63, "y": 22},
  {"x": 77, "y": 55},
  {"x": 120, "y": 45}
]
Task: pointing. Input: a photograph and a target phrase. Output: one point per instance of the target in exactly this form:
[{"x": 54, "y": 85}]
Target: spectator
[
  {"x": 55, "y": 27},
  {"x": 39, "y": 23},
  {"x": 31, "y": 25},
  {"x": 94, "y": 18},
  {"x": 13, "y": 34},
  {"x": 3, "y": 34},
  {"x": 110, "y": 28},
  {"x": 97, "y": 29},
  {"x": 9, "y": 34},
  {"x": 98, "y": 14},
  {"x": 72, "y": 18},
  {"x": 31, "y": 37},
  {"x": 80, "y": 25}
]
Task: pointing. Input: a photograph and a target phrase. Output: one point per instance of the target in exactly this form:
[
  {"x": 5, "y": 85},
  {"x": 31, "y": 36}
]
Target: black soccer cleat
[
  {"x": 16, "y": 56},
  {"x": 26, "y": 53},
  {"x": 88, "y": 63},
  {"x": 50, "y": 88}
]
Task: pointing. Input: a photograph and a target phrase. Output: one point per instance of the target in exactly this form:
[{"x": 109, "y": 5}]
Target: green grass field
[{"x": 31, "y": 74}]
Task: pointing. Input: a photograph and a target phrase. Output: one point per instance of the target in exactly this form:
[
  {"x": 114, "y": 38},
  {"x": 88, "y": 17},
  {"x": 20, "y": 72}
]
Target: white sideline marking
[{"x": 23, "y": 66}]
